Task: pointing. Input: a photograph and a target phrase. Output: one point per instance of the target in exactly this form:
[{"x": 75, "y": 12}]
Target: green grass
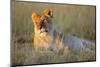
[{"x": 70, "y": 19}]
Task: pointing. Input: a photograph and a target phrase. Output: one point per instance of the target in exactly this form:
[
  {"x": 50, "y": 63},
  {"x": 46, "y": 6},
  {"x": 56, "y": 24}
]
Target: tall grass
[{"x": 70, "y": 19}]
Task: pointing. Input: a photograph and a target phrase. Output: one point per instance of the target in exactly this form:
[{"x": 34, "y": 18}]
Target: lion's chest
[{"x": 42, "y": 42}]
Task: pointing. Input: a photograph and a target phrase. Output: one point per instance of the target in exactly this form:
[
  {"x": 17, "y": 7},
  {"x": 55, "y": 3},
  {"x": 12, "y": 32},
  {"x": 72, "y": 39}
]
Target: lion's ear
[
  {"x": 34, "y": 16},
  {"x": 48, "y": 12}
]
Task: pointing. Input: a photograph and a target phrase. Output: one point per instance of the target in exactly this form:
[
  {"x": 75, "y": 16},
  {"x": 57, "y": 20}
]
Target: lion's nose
[{"x": 46, "y": 30}]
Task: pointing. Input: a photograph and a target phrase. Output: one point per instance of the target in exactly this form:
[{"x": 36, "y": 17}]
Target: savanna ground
[{"x": 70, "y": 19}]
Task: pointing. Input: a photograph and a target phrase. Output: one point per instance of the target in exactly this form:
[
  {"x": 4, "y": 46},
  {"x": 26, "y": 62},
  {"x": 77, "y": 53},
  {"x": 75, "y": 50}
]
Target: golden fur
[{"x": 44, "y": 37}]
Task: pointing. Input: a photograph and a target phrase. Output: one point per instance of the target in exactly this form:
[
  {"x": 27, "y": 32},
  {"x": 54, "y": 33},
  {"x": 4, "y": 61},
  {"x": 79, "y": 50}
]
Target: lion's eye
[{"x": 40, "y": 27}]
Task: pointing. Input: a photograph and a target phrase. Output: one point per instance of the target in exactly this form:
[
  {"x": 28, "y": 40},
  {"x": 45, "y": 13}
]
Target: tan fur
[{"x": 45, "y": 38}]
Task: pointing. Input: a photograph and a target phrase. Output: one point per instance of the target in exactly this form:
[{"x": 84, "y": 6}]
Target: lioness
[{"x": 47, "y": 38}]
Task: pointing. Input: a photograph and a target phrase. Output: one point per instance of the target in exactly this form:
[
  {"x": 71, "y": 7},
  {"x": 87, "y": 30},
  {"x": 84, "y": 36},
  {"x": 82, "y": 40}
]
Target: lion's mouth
[{"x": 44, "y": 31}]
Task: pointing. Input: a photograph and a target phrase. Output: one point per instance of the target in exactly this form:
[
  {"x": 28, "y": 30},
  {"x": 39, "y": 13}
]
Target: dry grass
[{"x": 24, "y": 54}]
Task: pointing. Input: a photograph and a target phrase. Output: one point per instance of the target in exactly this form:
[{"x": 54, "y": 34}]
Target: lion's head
[{"x": 42, "y": 23}]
